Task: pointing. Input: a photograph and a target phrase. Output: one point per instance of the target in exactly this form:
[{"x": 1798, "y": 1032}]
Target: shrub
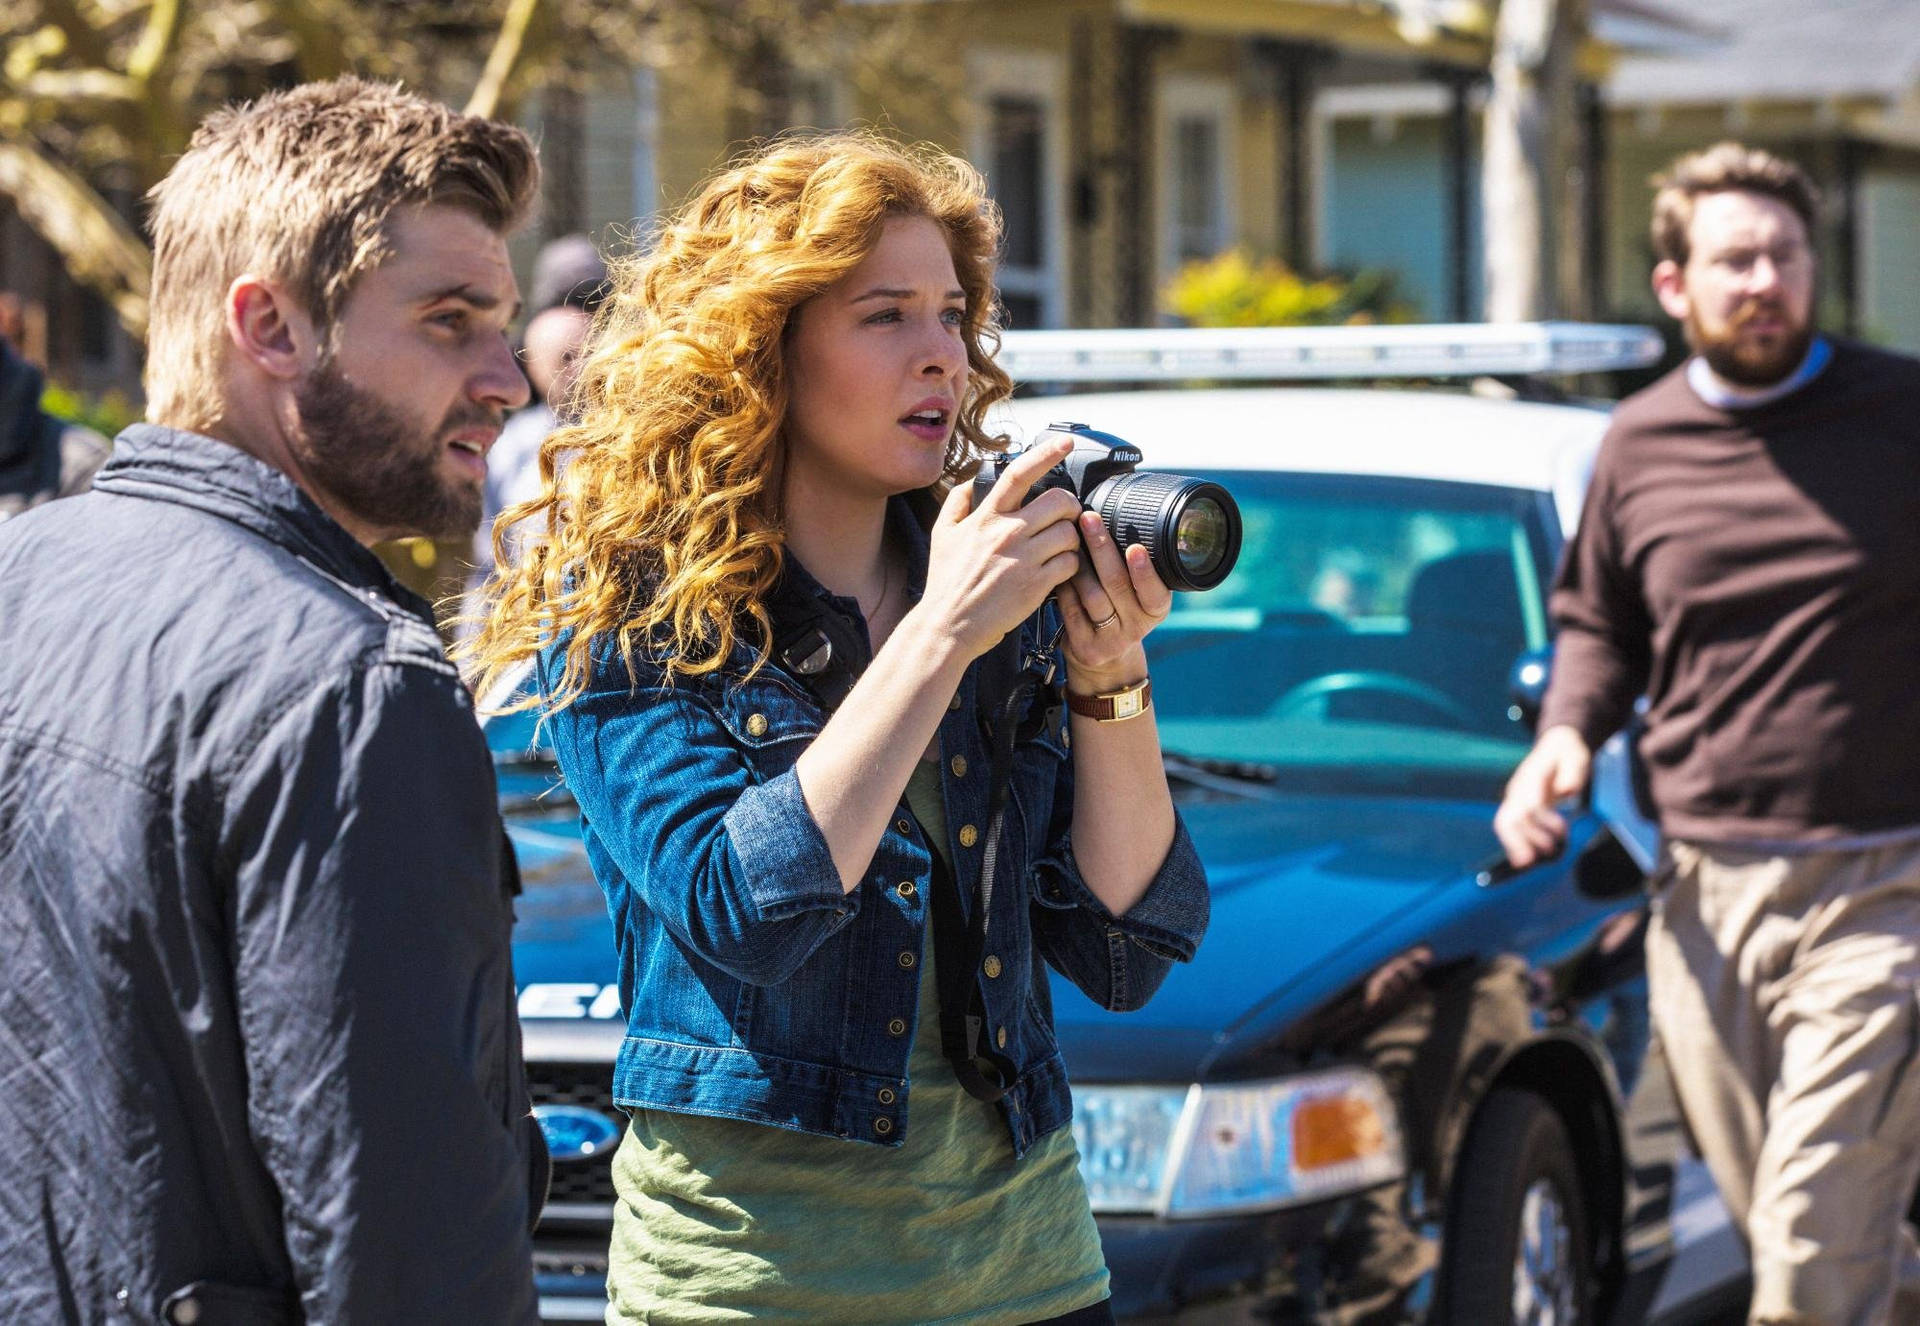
[
  {"x": 1232, "y": 290},
  {"x": 106, "y": 414}
]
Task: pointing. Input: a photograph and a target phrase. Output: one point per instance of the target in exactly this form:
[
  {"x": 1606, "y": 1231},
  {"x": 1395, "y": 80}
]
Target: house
[
  {"x": 1120, "y": 137},
  {"x": 1836, "y": 87},
  {"x": 1390, "y": 149},
  {"x": 1123, "y": 137}
]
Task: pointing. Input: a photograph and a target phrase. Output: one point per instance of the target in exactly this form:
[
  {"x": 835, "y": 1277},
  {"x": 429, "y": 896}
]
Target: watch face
[{"x": 1112, "y": 706}]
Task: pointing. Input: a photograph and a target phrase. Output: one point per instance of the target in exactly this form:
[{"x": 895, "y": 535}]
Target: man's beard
[
  {"x": 381, "y": 466},
  {"x": 1734, "y": 361}
]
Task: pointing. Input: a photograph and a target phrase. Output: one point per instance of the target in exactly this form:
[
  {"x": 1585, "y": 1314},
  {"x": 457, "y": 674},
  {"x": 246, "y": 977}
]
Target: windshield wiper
[{"x": 1247, "y": 778}]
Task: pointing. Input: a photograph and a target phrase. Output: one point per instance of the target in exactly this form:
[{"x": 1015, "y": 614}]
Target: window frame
[
  {"x": 1038, "y": 76},
  {"x": 1186, "y": 97}
]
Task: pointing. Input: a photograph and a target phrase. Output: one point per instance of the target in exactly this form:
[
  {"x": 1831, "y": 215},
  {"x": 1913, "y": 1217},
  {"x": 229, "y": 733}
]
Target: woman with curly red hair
[{"x": 760, "y": 606}]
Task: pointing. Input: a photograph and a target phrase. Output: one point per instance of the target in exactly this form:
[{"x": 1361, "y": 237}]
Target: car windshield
[{"x": 1365, "y": 640}]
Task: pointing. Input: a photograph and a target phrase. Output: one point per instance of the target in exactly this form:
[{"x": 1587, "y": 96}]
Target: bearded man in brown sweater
[{"x": 1749, "y": 560}]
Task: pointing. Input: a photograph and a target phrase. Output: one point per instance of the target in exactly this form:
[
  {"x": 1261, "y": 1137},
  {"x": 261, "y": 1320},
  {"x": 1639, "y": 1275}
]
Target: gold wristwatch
[{"x": 1114, "y": 706}]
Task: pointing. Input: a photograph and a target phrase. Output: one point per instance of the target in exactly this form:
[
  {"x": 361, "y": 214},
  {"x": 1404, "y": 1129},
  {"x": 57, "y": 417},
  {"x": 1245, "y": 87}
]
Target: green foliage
[
  {"x": 1232, "y": 290},
  {"x": 105, "y": 415}
]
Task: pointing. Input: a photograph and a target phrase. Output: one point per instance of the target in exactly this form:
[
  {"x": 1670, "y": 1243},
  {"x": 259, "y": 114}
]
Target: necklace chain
[{"x": 886, "y": 581}]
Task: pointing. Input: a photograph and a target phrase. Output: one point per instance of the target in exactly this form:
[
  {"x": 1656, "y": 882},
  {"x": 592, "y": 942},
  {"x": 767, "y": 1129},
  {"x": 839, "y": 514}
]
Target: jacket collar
[
  {"x": 820, "y": 636},
  {"x": 191, "y": 470}
]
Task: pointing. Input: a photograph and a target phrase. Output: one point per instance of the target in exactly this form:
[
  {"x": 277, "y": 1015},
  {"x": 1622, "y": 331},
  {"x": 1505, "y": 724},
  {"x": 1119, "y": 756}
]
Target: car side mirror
[{"x": 1527, "y": 686}]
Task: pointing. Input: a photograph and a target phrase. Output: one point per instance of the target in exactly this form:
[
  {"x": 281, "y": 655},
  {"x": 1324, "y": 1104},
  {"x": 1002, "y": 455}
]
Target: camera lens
[
  {"x": 1189, "y": 527},
  {"x": 1200, "y": 537}
]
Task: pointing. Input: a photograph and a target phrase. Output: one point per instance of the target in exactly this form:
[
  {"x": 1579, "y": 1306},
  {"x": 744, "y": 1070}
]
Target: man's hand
[{"x": 1528, "y": 826}]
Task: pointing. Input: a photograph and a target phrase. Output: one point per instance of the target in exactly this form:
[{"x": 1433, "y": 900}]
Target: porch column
[
  {"x": 1296, "y": 67},
  {"x": 1461, "y": 178},
  {"x": 1135, "y": 94}
]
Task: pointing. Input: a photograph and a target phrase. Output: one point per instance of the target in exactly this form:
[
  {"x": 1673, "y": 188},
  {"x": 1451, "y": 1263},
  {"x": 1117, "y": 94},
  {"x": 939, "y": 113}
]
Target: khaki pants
[{"x": 1784, "y": 991}]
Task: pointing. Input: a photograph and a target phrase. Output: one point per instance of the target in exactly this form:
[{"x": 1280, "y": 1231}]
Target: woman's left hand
[{"x": 1108, "y": 608}]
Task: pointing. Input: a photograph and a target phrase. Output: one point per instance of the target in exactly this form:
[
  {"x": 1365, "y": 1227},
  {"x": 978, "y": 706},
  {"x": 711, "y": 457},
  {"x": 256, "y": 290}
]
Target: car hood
[
  {"x": 561, "y": 935},
  {"x": 1299, "y": 884}
]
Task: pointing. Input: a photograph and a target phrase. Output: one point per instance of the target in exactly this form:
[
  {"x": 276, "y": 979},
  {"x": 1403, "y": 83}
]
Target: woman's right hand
[{"x": 988, "y": 570}]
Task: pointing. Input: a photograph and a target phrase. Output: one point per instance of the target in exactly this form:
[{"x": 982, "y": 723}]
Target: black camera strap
[
  {"x": 819, "y": 651},
  {"x": 960, "y": 942},
  {"x": 1006, "y": 683}
]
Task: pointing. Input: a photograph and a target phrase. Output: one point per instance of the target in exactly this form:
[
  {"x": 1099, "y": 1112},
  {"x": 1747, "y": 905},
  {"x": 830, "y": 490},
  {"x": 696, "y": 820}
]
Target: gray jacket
[{"x": 257, "y": 1032}]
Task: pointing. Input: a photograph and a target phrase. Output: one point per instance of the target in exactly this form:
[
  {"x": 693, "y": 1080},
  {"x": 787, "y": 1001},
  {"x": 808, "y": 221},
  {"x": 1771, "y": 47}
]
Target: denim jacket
[{"x": 755, "y": 988}]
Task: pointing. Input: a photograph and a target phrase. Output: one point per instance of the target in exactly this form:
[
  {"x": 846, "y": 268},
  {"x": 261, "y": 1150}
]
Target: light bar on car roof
[{"x": 1451, "y": 350}]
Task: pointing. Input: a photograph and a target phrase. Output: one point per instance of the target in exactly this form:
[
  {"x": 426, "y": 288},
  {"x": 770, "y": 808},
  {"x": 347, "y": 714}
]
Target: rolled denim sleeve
[
  {"x": 733, "y": 865},
  {"x": 783, "y": 857},
  {"x": 1117, "y": 961}
]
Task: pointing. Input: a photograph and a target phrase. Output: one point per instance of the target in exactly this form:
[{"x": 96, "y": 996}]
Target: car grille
[
  {"x": 564, "y": 1264},
  {"x": 579, "y": 1182}
]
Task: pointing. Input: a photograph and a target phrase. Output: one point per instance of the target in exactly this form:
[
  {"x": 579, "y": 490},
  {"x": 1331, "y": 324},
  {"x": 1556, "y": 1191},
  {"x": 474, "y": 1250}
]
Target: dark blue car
[{"x": 1398, "y": 1083}]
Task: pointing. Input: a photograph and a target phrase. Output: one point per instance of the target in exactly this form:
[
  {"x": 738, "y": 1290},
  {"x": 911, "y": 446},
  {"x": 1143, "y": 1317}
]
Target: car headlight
[{"x": 1242, "y": 1146}]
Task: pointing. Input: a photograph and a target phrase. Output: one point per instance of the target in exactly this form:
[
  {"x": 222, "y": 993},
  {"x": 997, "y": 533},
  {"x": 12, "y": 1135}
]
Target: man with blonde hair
[
  {"x": 257, "y": 1029},
  {"x": 1749, "y": 559}
]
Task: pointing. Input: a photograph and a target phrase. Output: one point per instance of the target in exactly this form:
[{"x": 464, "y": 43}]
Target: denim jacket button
[
  {"x": 897, "y": 1027},
  {"x": 756, "y": 725},
  {"x": 883, "y": 1125},
  {"x": 968, "y": 835},
  {"x": 1000, "y": 1038},
  {"x": 885, "y": 1096},
  {"x": 905, "y": 826},
  {"x": 959, "y": 766},
  {"x": 1066, "y": 738},
  {"x": 906, "y": 889},
  {"x": 991, "y": 967},
  {"x": 953, "y": 705},
  {"x": 907, "y": 958}
]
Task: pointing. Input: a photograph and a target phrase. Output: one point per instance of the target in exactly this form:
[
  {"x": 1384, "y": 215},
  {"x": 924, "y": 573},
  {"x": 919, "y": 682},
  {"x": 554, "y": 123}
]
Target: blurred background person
[
  {"x": 1748, "y": 558},
  {"x": 569, "y": 281},
  {"x": 550, "y": 356},
  {"x": 41, "y": 456}
]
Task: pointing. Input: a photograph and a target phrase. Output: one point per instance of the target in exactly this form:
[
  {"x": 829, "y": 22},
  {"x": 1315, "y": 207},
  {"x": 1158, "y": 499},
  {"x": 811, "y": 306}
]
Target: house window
[
  {"x": 1196, "y": 198},
  {"x": 1017, "y": 143},
  {"x": 1015, "y": 167},
  {"x": 1196, "y": 148}
]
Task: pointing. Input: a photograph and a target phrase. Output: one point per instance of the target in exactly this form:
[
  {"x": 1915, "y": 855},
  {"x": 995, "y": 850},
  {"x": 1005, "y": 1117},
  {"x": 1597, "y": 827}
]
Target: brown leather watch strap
[{"x": 1113, "y": 706}]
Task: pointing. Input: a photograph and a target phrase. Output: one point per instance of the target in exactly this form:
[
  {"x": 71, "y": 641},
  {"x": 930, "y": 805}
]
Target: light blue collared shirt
[{"x": 1716, "y": 391}]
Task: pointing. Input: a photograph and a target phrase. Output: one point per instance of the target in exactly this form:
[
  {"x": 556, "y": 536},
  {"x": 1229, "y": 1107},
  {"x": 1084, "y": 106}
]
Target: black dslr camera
[{"x": 1190, "y": 527}]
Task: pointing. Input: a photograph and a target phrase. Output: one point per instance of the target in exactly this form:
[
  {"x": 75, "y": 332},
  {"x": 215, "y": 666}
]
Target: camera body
[
  {"x": 1190, "y": 527},
  {"x": 1095, "y": 458}
]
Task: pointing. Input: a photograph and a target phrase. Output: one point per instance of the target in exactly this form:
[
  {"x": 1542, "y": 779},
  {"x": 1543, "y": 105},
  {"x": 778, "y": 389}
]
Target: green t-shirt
[{"x": 721, "y": 1220}]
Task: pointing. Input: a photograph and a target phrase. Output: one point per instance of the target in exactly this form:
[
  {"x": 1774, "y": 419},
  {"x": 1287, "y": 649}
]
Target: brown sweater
[{"x": 1757, "y": 574}]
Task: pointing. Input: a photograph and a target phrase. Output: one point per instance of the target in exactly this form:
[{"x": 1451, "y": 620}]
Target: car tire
[{"x": 1517, "y": 1245}]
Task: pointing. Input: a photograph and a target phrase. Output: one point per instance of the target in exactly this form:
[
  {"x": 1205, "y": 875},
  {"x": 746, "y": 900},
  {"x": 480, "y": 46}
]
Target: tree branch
[
  {"x": 101, "y": 250},
  {"x": 509, "y": 46},
  {"x": 85, "y": 42},
  {"x": 71, "y": 85},
  {"x": 164, "y": 21},
  {"x": 317, "y": 47}
]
